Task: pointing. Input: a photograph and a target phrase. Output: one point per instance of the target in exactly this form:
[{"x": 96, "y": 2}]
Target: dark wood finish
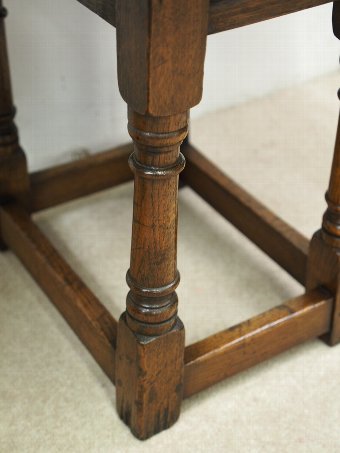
[
  {"x": 153, "y": 40},
  {"x": 161, "y": 49},
  {"x": 149, "y": 394},
  {"x": 14, "y": 181},
  {"x": 153, "y": 270},
  {"x": 150, "y": 330},
  {"x": 89, "y": 319},
  {"x": 66, "y": 182},
  {"x": 324, "y": 269},
  {"x": 271, "y": 234},
  {"x": 76, "y": 179},
  {"x": 336, "y": 19},
  {"x": 324, "y": 254},
  {"x": 223, "y": 14},
  {"x": 244, "y": 345},
  {"x": 229, "y": 14},
  {"x": 106, "y": 9}
]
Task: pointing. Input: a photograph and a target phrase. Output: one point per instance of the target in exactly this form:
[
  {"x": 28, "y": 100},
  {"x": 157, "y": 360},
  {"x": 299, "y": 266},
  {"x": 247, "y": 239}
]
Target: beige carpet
[{"x": 53, "y": 396}]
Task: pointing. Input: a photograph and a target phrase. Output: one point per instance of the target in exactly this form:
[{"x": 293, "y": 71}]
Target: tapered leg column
[
  {"x": 150, "y": 342},
  {"x": 14, "y": 180},
  {"x": 160, "y": 51},
  {"x": 324, "y": 256}
]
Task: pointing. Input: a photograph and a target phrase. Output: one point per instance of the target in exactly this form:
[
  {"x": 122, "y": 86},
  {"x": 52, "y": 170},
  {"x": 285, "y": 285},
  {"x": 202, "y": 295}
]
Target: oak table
[{"x": 160, "y": 51}]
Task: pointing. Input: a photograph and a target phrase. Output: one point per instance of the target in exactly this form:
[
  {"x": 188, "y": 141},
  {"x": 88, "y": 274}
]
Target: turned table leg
[
  {"x": 160, "y": 50},
  {"x": 324, "y": 256},
  {"x": 150, "y": 340},
  {"x": 14, "y": 180}
]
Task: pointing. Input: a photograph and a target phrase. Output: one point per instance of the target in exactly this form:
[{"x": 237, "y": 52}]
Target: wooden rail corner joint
[{"x": 161, "y": 51}]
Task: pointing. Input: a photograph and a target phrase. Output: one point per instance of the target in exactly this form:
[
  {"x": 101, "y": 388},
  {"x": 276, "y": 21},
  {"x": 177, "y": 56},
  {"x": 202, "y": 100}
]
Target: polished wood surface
[
  {"x": 88, "y": 318},
  {"x": 275, "y": 237},
  {"x": 150, "y": 342},
  {"x": 229, "y": 14},
  {"x": 150, "y": 51},
  {"x": 324, "y": 269},
  {"x": 324, "y": 255},
  {"x": 149, "y": 395},
  {"x": 223, "y": 14},
  {"x": 161, "y": 49},
  {"x": 76, "y": 179},
  {"x": 244, "y": 345},
  {"x": 153, "y": 40}
]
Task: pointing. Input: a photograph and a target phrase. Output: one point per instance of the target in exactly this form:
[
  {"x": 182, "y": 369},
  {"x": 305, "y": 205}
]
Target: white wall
[{"x": 64, "y": 71}]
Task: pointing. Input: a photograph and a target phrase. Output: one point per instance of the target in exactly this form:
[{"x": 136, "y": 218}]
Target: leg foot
[
  {"x": 149, "y": 378},
  {"x": 324, "y": 270}
]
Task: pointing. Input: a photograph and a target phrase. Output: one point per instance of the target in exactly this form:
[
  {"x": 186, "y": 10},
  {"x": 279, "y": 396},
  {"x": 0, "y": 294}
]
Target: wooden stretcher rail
[
  {"x": 89, "y": 319},
  {"x": 76, "y": 179},
  {"x": 206, "y": 362},
  {"x": 240, "y": 347},
  {"x": 275, "y": 237},
  {"x": 223, "y": 14}
]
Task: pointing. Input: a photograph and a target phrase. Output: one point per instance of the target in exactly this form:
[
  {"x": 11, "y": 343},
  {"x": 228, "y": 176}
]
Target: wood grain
[
  {"x": 149, "y": 379},
  {"x": 150, "y": 341},
  {"x": 153, "y": 275},
  {"x": 224, "y": 14},
  {"x": 324, "y": 254},
  {"x": 76, "y": 179},
  {"x": 229, "y": 14},
  {"x": 154, "y": 39},
  {"x": 271, "y": 234},
  {"x": 244, "y": 345},
  {"x": 161, "y": 50},
  {"x": 89, "y": 319},
  {"x": 324, "y": 269}
]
